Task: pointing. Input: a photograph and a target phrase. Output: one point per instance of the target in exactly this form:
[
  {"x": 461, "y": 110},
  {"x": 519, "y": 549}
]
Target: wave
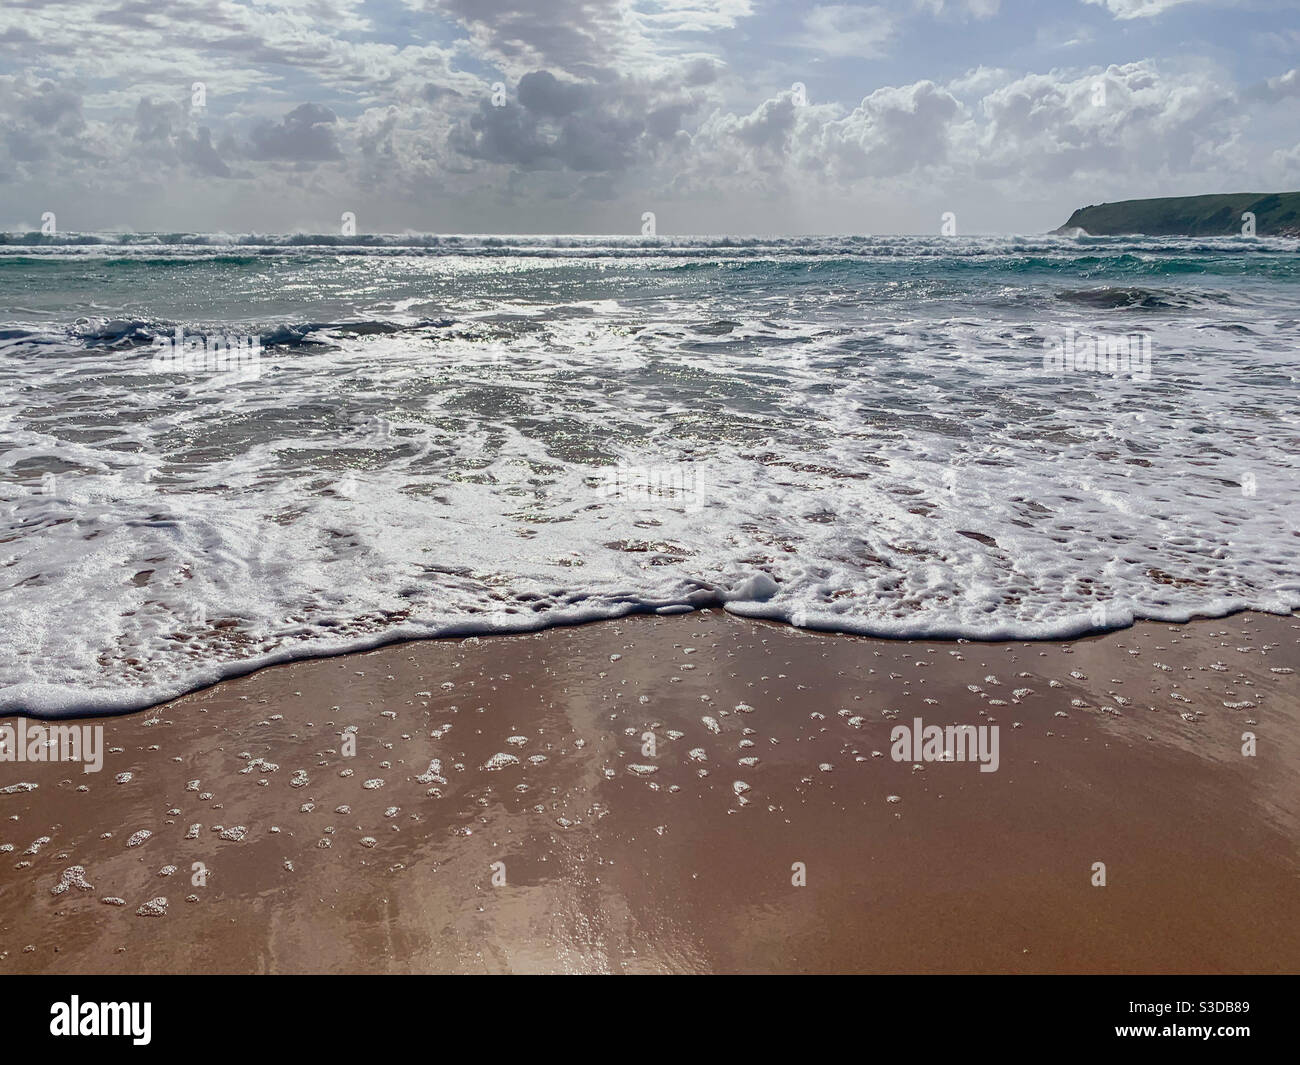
[
  {"x": 128, "y": 333},
  {"x": 851, "y": 434},
  {"x": 864, "y": 244},
  {"x": 58, "y": 701},
  {"x": 1141, "y": 299},
  {"x": 1104, "y": 259}
]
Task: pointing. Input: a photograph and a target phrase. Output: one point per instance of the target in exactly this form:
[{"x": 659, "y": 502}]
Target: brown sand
[{"x": 610, "y": 870}]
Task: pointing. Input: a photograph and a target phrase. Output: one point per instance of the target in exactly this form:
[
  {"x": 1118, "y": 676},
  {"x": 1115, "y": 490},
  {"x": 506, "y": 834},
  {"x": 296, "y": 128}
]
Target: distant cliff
[{"x": 1277, "y": 214}]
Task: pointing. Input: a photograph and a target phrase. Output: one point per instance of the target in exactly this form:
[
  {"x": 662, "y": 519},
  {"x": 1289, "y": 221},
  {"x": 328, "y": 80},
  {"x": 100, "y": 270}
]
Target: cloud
[
  {"x": 50, "y": 105},
  {"x": 959, "y": 9},
  {"x": 197, "y": 151},
  {"x": 610, "y": 105},
  {"x": 979, "y": 81},
  {"x": 695, "y": 16},
  {"x": 839, "y": 30},
  {"x": 306, "y": 135},
  {"x": 163, "y": 134},
  {"x": 1282, "y": 87},
  {"x": 769, "y": 126},
  {"x": 1050, "y": 127},
  {"x": 894, "y": 131},
  {"x": 576, "y": 126},
  {"x": 544, "y": 94},
  {"x": 579, "y": 36},
  {"x": 42, "y": 126},
  {"x": 1131, "y": 9}
]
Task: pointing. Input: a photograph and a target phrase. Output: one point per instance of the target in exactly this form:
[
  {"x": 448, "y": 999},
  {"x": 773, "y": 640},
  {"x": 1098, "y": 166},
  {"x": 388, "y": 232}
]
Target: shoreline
[
  {"x": 383, "y": 641},
  {"x": 613, "y": 859}
]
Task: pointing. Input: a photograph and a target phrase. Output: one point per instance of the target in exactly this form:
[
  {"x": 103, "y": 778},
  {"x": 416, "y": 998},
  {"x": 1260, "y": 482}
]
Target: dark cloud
[
  {"x": 573, "y": 35},
  {"x": 599, "y": 142},
  {"x": 51, "y": 105},
  {"x": 306, "y": 135},
  {"x": 161, "y": 130},
  {"x": 542, "y": 92},
  {"x": 432, "y": 92},
  {"x": 664, "y": 121},
  {"x": 41, "y": 125},
  {"x": 137, "y": 15},
  {"x": 198, "y": 152},
  {"x": 507, "y": 134},
  {"x": 559, "y": 124},
  {"x": 153, "y": 122},
  {"x": 701, "y": 72}
]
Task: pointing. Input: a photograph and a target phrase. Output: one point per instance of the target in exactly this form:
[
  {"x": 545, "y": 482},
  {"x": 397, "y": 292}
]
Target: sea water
[{"x": 218, "y": 452}]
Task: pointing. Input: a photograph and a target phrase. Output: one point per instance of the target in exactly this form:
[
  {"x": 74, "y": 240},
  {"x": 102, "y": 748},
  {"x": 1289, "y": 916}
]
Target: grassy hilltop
[{"x": 1277, "y": 214}]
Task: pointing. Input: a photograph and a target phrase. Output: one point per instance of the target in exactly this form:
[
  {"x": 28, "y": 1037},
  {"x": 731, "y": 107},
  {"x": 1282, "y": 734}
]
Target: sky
[{"x": 579, "y": 116}]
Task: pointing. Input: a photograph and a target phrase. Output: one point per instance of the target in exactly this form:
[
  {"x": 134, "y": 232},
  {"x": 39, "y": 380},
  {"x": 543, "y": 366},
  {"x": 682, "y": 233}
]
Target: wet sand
[{"x": 1124, "y": 749}]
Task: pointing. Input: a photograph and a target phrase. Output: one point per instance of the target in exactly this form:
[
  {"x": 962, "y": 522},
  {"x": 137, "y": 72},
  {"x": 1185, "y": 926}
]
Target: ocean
[{"x": 221, "y": 452}]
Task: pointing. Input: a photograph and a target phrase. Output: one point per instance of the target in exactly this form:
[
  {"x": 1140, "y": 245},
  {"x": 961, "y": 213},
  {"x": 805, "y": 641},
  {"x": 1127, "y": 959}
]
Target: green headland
[{"x": 1277, "y": 214}]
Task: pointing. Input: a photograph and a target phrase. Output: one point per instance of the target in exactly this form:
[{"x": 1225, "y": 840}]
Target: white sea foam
[{"x": 866, "y": 448}]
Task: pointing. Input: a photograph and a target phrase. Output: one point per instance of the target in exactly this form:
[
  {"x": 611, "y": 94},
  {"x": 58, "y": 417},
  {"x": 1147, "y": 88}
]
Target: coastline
[
  {"x": 94, "y": 706},
  {"x": 659, "y": 868}
]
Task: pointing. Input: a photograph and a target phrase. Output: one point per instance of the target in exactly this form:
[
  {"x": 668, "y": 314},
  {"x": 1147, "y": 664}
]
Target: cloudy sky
[{"x": 721, "y": 116}]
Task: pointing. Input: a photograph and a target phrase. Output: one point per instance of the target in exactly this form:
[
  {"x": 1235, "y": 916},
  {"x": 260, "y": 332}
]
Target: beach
[
  {"x": 691, "y": 793},
  {"x": 464, "y": 603},
  {"x": 650, "y": 488}
]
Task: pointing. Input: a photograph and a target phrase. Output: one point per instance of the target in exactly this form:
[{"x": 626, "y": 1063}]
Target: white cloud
[
  {"x": 1284, "y": 85},
  {"x": 979, "y": 81},
  {"x": 1130, "y": 9},
  {"x": 840, "y": 30},
  {"x": 959, "y": 9},
  {"x": 694, "y": 16}
]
